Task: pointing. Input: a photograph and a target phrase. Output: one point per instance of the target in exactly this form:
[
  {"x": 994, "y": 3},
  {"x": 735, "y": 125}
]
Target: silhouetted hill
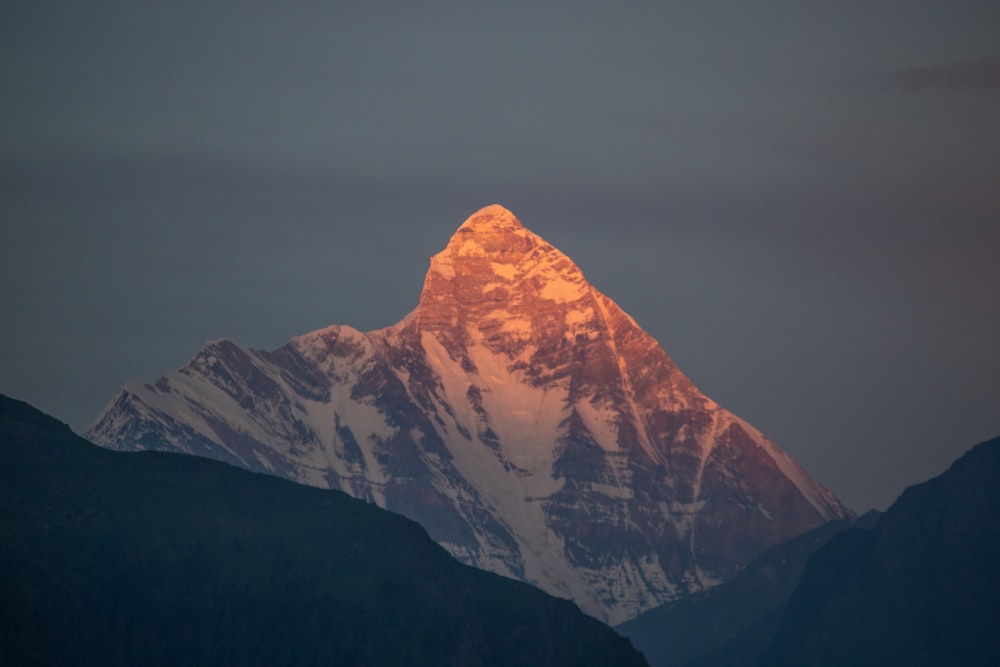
[
  {"x": 732, "y": 623},
  {"x": 922, "y": 587},
  {"x": 108, "y": 558}
]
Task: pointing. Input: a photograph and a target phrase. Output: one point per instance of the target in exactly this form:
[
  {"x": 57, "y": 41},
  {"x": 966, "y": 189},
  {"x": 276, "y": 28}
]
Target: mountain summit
[{"x": 525, "y": 420}]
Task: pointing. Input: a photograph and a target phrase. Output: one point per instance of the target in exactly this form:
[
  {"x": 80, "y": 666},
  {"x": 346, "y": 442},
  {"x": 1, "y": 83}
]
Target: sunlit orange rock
[{"x": 520, "y": 415}]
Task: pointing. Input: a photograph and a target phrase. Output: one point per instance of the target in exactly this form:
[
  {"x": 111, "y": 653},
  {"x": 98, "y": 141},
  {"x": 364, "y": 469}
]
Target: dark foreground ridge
[
  {"x": 732, "y": 623},
  {"x": 922, "y": 587},
  {"x": 918, "y": 585},
  {"x": 163, "y": 559}
]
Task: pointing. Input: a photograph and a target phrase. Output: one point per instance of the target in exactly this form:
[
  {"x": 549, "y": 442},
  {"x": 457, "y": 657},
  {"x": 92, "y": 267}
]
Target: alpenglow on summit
[{"x": 525, "y": 420}]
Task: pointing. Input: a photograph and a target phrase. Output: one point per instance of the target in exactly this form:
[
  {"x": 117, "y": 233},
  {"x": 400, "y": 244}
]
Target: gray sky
[{"x": 800, "y": 201}]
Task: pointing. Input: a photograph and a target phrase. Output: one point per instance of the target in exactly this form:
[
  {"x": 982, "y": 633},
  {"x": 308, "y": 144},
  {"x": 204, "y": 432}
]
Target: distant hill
[
  {"x": 922, "y": 587},
  {"x": 110, "y": 558},
  {"x": 918, "y": 585},
  {"x": 732, "y": 623}
]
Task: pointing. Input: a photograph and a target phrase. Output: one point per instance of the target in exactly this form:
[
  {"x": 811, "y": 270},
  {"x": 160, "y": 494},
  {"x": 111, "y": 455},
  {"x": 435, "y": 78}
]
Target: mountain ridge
[
  {"x": 918, "y": 587},
  {"x": 730, "y": 624},
  {"x": 113, "y": 558},
  {"x": 517, "y": 413}
]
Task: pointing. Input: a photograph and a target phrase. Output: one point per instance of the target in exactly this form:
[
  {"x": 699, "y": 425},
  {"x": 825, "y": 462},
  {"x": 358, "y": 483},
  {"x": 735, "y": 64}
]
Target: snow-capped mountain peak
[
  {"x": 492, "y": 276},
  {"x": 519, "y": 414}
]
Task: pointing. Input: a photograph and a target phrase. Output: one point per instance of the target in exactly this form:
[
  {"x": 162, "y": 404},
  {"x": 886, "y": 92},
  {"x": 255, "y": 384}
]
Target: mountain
[
  {"x": 731, "y": 624},
  {"x": 921, "y": 587},
  {"x": 110, "y": 558},
  {"x": 518, "y": 414}
]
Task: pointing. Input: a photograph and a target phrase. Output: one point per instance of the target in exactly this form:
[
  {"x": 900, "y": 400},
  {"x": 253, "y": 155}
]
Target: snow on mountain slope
[{"x": 520, "y": 415}]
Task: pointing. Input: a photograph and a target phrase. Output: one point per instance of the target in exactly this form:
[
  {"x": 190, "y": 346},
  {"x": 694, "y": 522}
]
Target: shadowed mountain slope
[
  {"x": 731, "y": 624},
  {"x": 161, "y": 559},
  {"x": 922, "y": 587}
]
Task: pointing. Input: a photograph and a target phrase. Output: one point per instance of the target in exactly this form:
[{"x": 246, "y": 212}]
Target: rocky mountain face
[{"x": 526, "y": 421}]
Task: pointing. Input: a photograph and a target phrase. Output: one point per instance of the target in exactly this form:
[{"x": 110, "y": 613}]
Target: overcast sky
[{"x": 800, "y": 201}]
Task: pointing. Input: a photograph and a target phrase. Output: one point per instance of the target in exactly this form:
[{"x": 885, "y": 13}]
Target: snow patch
[
  {"x": 442, "y": 264},
  {"x": 602, "y": 422},
  {"x": 579, "y": 316},
  {"x": 507, "y": 271},
  {"x": 516, "y": 325},
  {"x": 561, "y": 290}
]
